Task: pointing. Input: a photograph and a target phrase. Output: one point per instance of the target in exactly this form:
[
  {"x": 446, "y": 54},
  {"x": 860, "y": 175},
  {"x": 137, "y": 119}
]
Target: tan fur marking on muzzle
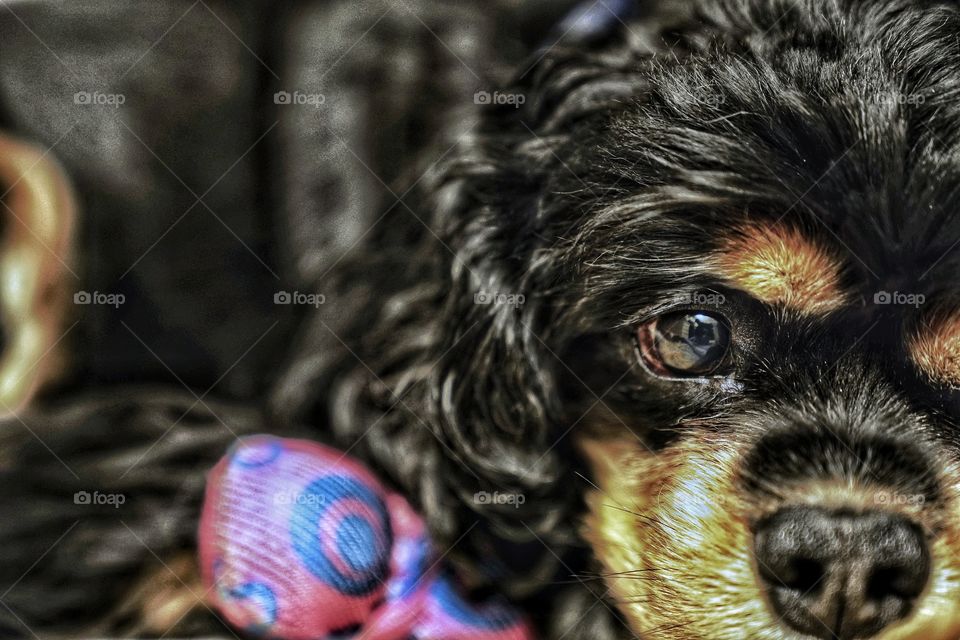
[{"x": 671, "y": 533}]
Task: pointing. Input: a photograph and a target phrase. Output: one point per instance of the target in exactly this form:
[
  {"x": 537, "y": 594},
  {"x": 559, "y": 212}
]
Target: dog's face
[
  {"x": 780, "y": 460},
  {"x": 757, "y": 250},
  {"x": 803, "y": 479}
]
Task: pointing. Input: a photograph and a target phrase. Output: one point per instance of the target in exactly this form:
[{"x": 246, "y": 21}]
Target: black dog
[
  {"x": 670, "y": 346},
  {"x": 717, "y": 259}
]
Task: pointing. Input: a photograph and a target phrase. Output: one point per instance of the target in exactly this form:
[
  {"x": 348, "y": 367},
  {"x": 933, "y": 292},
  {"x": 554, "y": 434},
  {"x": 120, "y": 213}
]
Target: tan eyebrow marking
[
  {"x": 779, "y": 265},
  {"x": 935, "y": 349}
]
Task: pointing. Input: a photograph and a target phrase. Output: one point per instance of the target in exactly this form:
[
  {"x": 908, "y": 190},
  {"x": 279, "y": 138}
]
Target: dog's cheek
[
  {"x": 668, "y": 533},
  {"x": 612, "y": 527},
  {"x": 937, "y": 616}
]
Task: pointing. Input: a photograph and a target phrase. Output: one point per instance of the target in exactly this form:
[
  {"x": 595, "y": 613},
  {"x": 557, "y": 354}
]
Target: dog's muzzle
[{"x": 835, "y": 553}]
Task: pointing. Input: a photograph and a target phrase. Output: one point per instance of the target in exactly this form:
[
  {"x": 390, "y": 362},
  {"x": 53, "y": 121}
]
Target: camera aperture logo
[
  {"x": 98, "y": 98},
  {"x": 899, "y": 299},
  {"x": 515, "y": 300},
  {"x": 315, "y": 100},
  {"x": 97, "y": 298},
  {"x": 499, "y": 98},
  {"x": 96, "y": 498},
  {"x": 299, "y": 298},
  {"x": 498, "y": 498}
]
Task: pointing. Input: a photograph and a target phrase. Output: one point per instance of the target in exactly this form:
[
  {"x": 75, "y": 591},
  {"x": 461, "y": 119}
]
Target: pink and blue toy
[{"x": 300, "y": 542}]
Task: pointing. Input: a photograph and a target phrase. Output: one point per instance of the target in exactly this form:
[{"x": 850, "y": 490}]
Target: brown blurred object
[{"x": 38, "y": 213}]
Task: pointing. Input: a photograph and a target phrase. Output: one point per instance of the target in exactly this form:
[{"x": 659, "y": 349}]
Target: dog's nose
[{"x": 841, "y": 574}]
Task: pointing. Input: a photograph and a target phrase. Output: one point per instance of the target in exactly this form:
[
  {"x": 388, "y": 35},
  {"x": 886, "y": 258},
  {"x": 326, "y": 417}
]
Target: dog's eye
[{"x": 685, "y": 343}]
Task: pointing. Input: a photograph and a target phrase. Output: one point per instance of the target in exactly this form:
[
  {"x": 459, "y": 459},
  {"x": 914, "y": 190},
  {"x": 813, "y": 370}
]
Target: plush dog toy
[{"x": 300, "y": 542}]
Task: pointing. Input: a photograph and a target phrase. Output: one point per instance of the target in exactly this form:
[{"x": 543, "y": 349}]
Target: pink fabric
[{"x": 300, "y": 542}]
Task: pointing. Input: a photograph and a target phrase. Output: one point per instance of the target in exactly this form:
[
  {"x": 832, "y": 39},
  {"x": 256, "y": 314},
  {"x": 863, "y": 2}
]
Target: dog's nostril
[
  {"x": 804, "y": 575},
  {"x": 840, "y": 574}
]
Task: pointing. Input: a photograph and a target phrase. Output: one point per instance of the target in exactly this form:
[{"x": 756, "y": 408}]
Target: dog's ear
[
  {"x": 455, "y": 313},
  {"x": 37, "y": 210}
]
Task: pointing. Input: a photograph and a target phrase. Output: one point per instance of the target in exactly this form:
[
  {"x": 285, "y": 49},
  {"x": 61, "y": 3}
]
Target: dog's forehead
[
  {"x": 790, "y": 267},
  {"x": 855, "y": 163}
]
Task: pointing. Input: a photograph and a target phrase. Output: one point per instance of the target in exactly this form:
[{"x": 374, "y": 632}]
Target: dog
[
  {"x": 668, "y": 346},
  {"x": 693, "y": 301}
]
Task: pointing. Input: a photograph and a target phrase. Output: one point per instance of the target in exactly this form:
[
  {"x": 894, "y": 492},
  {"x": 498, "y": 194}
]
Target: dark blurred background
[{"x": 202, "y": 192}]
